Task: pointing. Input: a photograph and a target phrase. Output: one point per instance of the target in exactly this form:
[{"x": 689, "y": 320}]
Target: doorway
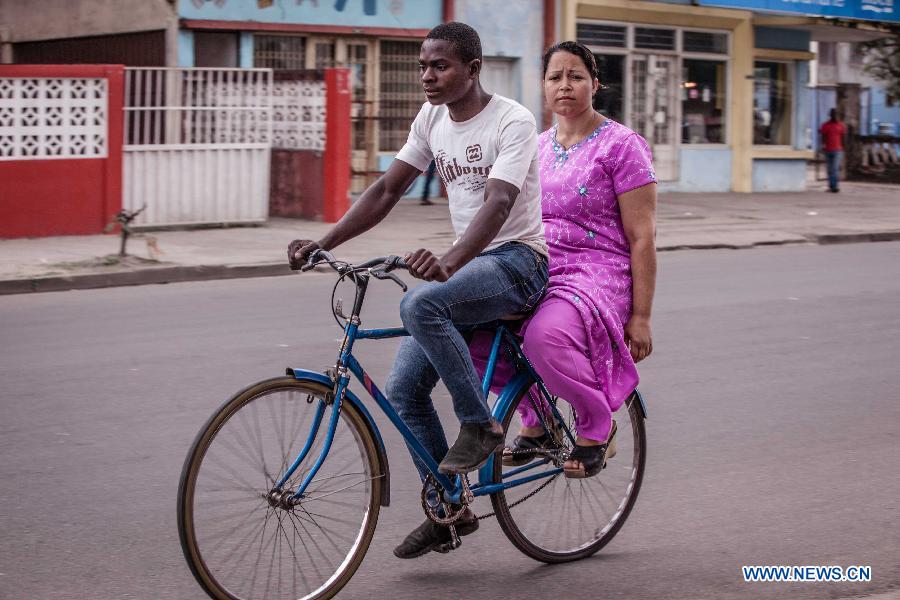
[{"x": 654, "y": 108}]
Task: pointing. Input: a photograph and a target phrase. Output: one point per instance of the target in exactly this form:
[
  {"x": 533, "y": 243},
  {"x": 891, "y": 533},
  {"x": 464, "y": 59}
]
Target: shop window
[
  {"x": 279, "y": 52},
  {"x": 593, "y": 34},
  {"x": 400, "y": 92},
  {"x": 772, "y": 103},
  {"x": 608, "y": 100},
  {"x": 654, "y": 39},
  {"x": 702, "y": 41},
  {"x": 215, "y": 49},
  {"x": 827, "y": 53},
  {"x": 324, "y": 55},
  {"x": 703, "y": 102}
]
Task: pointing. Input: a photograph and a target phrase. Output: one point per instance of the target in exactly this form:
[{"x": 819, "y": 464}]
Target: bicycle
[{"x": 257, "y": 519}]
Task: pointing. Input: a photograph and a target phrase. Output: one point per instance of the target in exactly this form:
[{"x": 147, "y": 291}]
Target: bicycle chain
[
  {"x": 456, "y": 516},
  {"x": 529, "y": 494}
]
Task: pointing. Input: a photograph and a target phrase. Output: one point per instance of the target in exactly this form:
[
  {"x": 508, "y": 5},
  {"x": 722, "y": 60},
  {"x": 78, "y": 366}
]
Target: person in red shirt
[{"x": 833, "y": 132}]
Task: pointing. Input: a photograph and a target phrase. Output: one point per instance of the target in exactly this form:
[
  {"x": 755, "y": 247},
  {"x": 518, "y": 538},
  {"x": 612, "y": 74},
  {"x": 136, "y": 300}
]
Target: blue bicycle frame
[
  {"x": 452, "y": 487},
  {"x": 525, "y": 378}
]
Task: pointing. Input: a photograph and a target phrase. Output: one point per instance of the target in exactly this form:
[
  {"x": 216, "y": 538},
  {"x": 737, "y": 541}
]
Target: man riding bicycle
[{"x": 485, "y": 149}]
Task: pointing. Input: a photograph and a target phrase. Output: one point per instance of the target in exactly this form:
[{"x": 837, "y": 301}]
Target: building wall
[
  {"x": 882, "y": 113},
  {"x": 701, "y": 170},
  {"x": 849, "y": 70},
  {"x": 408, "y": 14},
  {"x": 519, "y": 34},
  {"x": 30, "y": 21},
  {"x": 779, "y": 175}
]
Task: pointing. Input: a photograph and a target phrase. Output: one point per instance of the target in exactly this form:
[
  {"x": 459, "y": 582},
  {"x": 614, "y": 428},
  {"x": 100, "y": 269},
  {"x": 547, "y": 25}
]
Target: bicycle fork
[{"x": 340, "y": 375}]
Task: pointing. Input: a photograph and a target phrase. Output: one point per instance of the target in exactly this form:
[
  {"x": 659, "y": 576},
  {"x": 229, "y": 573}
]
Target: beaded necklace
[{"x": 562, "y": 154}]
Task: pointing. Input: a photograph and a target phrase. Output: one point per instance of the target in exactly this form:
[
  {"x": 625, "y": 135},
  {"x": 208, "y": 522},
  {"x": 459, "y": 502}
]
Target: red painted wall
[
  {"x": 65, "y": 196},
  {"x": 296, "y": 185}
]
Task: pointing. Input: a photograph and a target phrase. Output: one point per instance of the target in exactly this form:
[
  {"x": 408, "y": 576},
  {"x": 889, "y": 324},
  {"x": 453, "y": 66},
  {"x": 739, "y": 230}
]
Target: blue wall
[
  {"x": 779, "y": 175},
  {"x": 514, "y": 30},
  {"x": 185, "y": 48},
  {"x": 701, "y": 170},
  {"x": 420, "y": 14},
  {"x": 882, "y": 113}
]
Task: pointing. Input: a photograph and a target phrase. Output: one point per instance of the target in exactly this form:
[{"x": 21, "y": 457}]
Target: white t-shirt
[{"x": 500, "y": 142}]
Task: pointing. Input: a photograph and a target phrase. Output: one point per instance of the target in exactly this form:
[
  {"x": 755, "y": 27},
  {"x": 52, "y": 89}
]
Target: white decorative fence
[
  {"x": 298, "y": 121},
  {"x": 53, "y": 118},
  {"x": 197, "y": 145}
]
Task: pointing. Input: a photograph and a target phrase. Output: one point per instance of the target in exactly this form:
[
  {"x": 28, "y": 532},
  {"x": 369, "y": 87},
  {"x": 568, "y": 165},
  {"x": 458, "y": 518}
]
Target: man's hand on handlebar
[
  {"x": 423, "y": 264},
  {"x": 298, "y": 252}
]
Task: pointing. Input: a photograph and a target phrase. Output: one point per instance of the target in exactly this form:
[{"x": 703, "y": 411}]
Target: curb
[
  {"x": 178, "y": 274},
  {"x": 851, "y": 238},
  {"x": 141, "y": 277}
]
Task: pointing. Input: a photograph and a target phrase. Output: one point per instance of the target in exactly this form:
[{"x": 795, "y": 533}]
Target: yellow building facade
[{"x": 719, "y": 93}]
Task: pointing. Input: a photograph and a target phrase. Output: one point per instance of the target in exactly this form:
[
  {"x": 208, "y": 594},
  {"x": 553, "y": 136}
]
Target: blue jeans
[
  {"x": 833, "y": 164},
  {"x": 499, "y": 282}
]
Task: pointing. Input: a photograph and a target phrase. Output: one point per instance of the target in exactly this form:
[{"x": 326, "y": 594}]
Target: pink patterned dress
[
  {"x": 590, "y": 259},
  {"x": 575, "y": 338}
]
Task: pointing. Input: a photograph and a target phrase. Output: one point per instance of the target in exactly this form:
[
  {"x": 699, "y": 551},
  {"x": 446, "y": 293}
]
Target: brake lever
[{"x": 379, "y": 274}]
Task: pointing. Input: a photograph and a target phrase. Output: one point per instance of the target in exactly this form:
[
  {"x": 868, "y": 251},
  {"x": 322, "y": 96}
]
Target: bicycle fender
[
  {"x": 641, "y": 404},
  {"x": 349, "y": 396},
  {"x": 504, "y": 401}
]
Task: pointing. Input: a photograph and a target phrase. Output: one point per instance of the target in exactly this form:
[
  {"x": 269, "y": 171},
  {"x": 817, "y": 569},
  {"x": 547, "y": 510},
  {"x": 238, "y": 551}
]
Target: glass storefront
[
  {"x": 772, "y": 103},
  {"x": 669, "y": 84},
  {"x": 703, "y": 102}
]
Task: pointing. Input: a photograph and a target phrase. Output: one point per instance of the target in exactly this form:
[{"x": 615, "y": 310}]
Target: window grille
[
  {"x": 279, "y": 52},
  {"x": 593, "y": 34},
  {"x": 324, "y": 53},
  {"x": 401, "y": 94},
  {"x": 702, "y": 41},
  {"x": 654, "y": 39}
]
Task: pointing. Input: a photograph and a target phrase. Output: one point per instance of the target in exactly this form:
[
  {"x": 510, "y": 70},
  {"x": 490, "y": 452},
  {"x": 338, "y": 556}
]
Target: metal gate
[
  {"x": 654, "y": 109},
  {"x": 197, "y": 145}
]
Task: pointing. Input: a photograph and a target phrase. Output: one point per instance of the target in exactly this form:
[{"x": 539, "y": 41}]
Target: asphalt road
[{"x": 774, "y": 404}]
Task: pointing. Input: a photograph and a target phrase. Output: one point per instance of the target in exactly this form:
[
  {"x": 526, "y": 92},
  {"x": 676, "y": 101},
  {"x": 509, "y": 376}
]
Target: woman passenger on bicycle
[{"x": 599, "y": 212}]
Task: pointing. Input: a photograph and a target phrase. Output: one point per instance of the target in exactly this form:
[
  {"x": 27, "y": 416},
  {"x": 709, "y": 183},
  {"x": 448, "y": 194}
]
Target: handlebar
[{"x": 380, "y": 267}]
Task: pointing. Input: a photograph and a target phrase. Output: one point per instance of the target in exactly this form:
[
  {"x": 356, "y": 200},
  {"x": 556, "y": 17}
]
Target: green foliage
[{"x": 883, "y": 62}]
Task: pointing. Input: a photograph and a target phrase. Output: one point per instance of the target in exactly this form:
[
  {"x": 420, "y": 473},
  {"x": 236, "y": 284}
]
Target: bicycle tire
[
  {"x": 196, "y": 512},
  {"x": 522, "y": 517}
]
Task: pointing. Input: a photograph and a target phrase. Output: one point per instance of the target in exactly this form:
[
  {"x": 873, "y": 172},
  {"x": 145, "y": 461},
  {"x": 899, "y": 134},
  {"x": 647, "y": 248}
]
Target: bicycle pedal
[
  {"x": 454, "y": 542},
  {"x": 444, "y": 548}
]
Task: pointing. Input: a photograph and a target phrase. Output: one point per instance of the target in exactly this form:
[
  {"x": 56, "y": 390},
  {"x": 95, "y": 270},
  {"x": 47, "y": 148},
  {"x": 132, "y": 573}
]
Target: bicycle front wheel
[
  {"x": 238, "y": 542},
  {"x": 554, "y": 519}
]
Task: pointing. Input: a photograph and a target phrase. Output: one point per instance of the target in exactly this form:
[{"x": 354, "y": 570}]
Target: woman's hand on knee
[{"x": 639, "y": 338}]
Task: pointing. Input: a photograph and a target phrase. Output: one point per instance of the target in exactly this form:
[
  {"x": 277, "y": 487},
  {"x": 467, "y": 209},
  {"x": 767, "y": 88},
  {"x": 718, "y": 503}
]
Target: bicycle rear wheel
[
  {"x": 555, "y": 519},
  {"x": 241, "y": 545}
]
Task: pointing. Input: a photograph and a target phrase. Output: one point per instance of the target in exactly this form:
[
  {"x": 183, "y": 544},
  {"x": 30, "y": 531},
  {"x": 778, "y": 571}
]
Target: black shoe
[
  {"x": 430, "y": 536},
  {"x": 592, "y": 458},
  {"x": 523, "y": 449},
  {"x": 473, "y": 447}
]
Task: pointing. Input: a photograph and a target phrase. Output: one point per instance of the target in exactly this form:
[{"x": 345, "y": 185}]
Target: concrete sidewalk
[{"x": 861, "y": 212}]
